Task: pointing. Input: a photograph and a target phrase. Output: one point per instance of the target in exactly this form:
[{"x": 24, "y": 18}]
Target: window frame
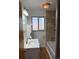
[{"x": 38, "y": 23}]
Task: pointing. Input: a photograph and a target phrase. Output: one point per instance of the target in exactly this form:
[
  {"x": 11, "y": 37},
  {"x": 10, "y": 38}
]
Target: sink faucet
[{"x": 27, "y": 40}]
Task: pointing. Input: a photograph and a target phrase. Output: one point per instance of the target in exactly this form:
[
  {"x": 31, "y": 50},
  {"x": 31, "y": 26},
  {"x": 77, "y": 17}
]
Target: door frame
[{"x": 58, "y": 31}]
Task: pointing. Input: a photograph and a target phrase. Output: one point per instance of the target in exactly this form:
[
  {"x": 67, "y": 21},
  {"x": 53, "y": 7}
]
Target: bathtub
[{"x": 51, "y": 48}]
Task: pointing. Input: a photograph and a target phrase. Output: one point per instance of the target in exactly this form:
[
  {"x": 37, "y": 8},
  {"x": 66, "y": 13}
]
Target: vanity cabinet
[{"x": 33, "y": 53}]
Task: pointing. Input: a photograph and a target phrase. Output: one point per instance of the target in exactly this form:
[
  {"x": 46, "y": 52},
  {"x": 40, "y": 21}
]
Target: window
[{"x": 37, "y": 23}]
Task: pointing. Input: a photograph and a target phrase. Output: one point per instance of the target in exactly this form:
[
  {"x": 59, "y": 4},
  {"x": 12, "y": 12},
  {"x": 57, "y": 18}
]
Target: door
[{"x": 21, "y": 40}]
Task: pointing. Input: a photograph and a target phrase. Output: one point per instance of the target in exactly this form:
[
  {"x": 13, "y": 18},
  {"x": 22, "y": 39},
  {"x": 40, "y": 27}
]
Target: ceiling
[{"x": 36, "y": 4}]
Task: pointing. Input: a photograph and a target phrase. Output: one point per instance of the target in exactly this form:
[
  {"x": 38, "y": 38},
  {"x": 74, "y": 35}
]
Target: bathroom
[{"x": 39, "y": 28}]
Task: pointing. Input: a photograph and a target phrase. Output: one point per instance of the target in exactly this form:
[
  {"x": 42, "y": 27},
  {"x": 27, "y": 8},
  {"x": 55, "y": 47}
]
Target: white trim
[{"x": 51, "y": 49}]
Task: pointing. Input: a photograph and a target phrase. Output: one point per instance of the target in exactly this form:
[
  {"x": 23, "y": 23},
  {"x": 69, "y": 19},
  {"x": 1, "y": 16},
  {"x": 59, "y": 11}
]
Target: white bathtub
[{"x": 51, "y": 48}]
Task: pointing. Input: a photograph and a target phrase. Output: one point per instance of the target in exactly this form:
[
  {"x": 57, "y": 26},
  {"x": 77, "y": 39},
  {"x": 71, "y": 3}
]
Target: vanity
[
  {"x": 32, "y": 50},
  {"x": 32, "y": 43}
]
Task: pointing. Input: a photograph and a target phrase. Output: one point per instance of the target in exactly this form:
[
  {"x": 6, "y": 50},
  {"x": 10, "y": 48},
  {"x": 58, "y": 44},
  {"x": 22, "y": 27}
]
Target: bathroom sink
[{"x": 32, "y": 43}]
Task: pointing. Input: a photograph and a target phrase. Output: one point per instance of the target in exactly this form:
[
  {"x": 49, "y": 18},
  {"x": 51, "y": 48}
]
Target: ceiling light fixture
[
  {"x": 25, "y": 12},
  {"x": 46, "y": 5}
]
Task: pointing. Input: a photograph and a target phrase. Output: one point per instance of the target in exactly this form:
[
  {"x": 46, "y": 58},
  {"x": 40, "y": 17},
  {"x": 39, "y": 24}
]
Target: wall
[
  {"x": 24, "y": 19},
  {"x": 41, "y": 35},
  {"x": 50, "y": 25}
]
